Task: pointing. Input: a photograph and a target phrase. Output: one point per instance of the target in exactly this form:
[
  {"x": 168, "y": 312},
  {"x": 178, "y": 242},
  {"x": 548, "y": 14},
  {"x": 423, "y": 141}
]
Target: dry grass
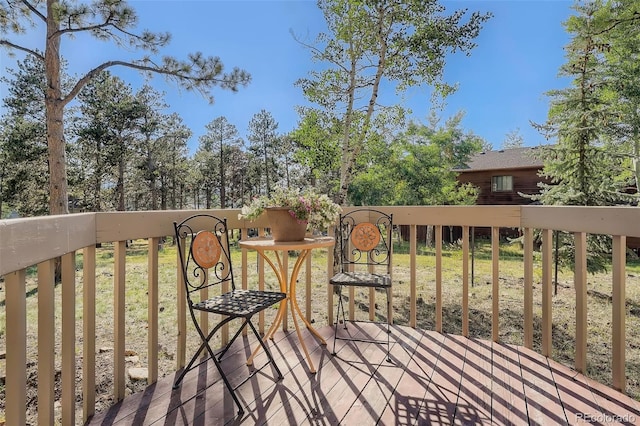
[{"x": 511, "y": 305}]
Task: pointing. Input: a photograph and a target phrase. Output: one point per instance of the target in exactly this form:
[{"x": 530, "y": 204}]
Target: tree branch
[
  {"x": 11, "y": 45},
  {"x": 35, "y": 11},
  {"x": 203, "y": 78}
]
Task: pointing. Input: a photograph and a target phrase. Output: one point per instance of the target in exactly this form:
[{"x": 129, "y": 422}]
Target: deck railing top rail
[{"x": 28, "y": 241}]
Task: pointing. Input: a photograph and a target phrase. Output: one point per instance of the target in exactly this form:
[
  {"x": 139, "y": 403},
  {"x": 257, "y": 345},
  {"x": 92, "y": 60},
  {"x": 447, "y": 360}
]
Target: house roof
[{"x": 513, "y": 158}]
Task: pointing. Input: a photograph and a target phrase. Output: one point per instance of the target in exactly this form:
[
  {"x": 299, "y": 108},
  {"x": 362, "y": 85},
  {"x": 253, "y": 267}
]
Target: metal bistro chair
[
  {"x": 364, "y": 242},
  {"x": 206, "y": 263}
]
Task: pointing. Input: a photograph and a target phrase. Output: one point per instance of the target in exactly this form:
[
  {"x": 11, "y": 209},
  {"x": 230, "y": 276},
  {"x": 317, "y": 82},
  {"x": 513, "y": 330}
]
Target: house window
[{"x": 501, "y": 183}]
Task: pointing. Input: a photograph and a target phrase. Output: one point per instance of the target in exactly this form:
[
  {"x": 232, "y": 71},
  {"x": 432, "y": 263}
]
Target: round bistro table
[{"x": 265, "y": 245}]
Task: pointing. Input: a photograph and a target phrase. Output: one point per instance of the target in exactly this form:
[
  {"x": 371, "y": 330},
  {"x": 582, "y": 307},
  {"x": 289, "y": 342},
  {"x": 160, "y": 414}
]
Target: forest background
[{"x": 97, "y": 144}]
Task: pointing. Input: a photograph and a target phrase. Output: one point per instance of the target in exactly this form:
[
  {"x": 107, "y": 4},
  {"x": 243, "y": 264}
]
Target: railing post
[
  {"x": 46, "y": 342},
  {"x": 619, "y": 312},
  {"x": 16, "y": 331},
  {"x": 580, "y": 284},
  {"x": 528, "y": 287},
  {"x": 547, "y": 292},
  {"x": 438, "y": 314},
  {"x": 88, "y": 331},
  {"x": 260, "y": 265},
  {"x": 152, "y": 310},
  {"x": 181, "y": 312},
  {"x": 69, "y": 338},
  {"x": 465, "y": 281},
  {"x": 413, "y": 248},
  {"x": 119, "y": 289},
  {"x": 495, "y": 288},
  {"x": 330, "y": 252},
  {"x": 244, "y": 280}
]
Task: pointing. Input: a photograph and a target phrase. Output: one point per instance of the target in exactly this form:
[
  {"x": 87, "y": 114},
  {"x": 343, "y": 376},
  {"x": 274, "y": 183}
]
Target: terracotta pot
[{"x": 284, "y": 227}]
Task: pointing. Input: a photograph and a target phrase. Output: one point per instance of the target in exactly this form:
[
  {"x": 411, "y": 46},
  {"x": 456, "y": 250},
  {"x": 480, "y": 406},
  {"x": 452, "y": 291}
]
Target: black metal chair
[
  {"x": 365, "y": 247},
  {"x": 203, "y": 243}
]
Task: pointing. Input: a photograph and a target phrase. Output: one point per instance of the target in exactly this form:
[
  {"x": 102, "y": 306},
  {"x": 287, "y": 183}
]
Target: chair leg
[
  {"x": 266, "y": 350},
  {"x": 338, "y": 307},
  {"x": 203, "y": 345},
  {"x": 212, "y": 355},
  {"x": 235, "y": 336},
  {"x": 228, "y": 386}
]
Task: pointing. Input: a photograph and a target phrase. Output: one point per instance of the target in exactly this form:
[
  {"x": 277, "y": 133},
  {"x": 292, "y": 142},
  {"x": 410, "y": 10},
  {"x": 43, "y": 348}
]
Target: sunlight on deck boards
[{"x": 433, "y": 378}]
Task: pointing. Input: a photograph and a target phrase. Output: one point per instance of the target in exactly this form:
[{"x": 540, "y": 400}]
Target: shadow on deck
[{"x": 433, "y": 379}]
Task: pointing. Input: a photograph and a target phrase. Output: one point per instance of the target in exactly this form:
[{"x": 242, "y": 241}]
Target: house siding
[{"x": 525, "y": 181}]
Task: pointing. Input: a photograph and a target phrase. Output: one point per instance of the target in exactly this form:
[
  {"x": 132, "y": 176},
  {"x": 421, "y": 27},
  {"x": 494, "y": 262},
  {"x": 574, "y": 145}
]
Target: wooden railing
[{"x": 37, "y": 242}]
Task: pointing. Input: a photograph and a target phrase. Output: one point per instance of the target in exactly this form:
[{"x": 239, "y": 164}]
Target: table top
[{"x": 263, "y": 243}]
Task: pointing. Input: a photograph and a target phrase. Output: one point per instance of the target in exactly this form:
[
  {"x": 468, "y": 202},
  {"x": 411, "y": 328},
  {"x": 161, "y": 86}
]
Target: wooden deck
[{"x": 433, "y": 379}]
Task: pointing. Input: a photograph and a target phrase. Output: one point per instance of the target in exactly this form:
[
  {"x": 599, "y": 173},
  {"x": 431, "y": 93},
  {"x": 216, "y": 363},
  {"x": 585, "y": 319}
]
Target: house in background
[{"x": 503, "y": 175}]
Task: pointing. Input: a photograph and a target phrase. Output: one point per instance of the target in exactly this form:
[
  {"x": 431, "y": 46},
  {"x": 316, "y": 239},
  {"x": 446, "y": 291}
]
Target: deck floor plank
[
  {"x": 435, "y": 379},
  {"x": 508, "y": 403},
  {"x": 404, "y": 404},
  {"x": 441, "y": 400},
  {"x": 374, "y": 397},
  {"x": 475, "y": 383},
  {"x": 543, "y": 402}
]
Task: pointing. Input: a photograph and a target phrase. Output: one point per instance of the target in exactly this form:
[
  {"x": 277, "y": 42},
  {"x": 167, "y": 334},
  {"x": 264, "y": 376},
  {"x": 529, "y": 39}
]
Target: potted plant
[{"x": 291, "y": 212}]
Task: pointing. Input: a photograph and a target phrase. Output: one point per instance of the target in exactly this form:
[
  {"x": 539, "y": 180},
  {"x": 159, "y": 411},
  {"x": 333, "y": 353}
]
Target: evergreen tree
[
  {"x": 513, "y": 139},
  {"x": 581, "y": 169},
  {"x": 622, "y": 55},
  {"x": 220, "y": 140},
  {"x": 263, "y": 144},
  {"x": 24, "y": 171},
  {"x": 106, "y": 20}
]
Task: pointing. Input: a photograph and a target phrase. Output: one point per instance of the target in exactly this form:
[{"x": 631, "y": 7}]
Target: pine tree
[{"x": 106, "y": 20}]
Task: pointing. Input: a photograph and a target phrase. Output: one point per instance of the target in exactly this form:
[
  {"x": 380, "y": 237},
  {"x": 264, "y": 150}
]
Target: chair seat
[
  {"x": 363, "y": 279},
  {"x": 240, "y": 303}
]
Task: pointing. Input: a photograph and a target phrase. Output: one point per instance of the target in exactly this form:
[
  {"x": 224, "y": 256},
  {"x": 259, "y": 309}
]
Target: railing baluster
[
  {"x": 580, "y": 284},
  {"x": 495, "y": 286},
  {"x": 465, "y": 281},
  {"x": 528, "y": 287},
  {"x": 152, "y": 310},
  {"x": 16, "y": 332},
  {"x": 46, "y": 341},
  {"x": 547, "y": 291},
  {"x": 413, "y": 300},
  {"x": 119, "y": 289},
  {"x": 88, "y": 331},
  {"x": 68, "y": 338},
  {"x": 438, "y": 232},
  {"x": 181, "y": 314},
  {"x": 224, "y": 331},
  {"x": 330, "y": 252},
  {"x": 244, "y": 281},
  {"x": 260, "y": 265},
  {"x": 619, "y": 312}
]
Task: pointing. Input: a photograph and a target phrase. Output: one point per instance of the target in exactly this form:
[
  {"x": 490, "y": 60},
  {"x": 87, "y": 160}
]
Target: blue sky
[{"x": 502, "y": 84}]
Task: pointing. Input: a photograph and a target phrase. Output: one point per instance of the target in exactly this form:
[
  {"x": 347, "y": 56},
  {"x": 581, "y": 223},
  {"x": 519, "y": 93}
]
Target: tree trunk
[
  {"x": 430, "y": 236},
  {"x": 120, "y": 186},
  {"x": 54, "y": 105},
  {"x": 223, "y": 194},
  {"x": 635, "y": 161}
]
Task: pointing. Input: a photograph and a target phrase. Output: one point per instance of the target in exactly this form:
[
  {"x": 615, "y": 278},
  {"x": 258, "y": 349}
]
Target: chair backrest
[
  {"x": 203, "y": 245},
  {"x": 365, "y": 238}
]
